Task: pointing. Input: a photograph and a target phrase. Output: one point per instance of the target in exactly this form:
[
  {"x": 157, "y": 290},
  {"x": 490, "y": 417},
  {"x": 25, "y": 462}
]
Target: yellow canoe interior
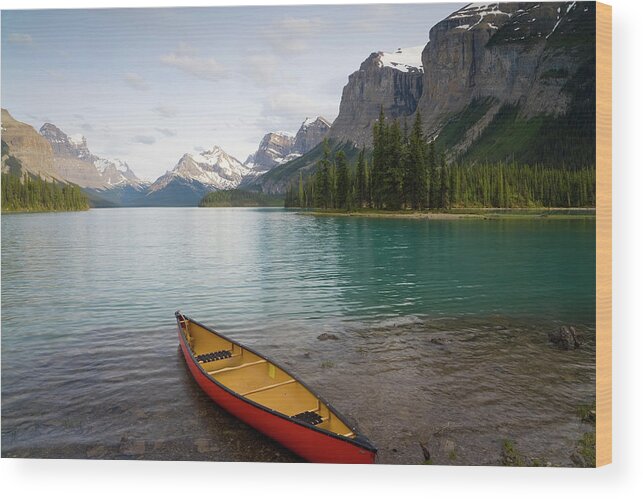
[{"x": 256, "y": 379}]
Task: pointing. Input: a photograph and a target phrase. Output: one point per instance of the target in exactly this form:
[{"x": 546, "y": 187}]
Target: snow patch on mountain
[
  {"x": 213, "y": 168},
  {"x": 403, "y": 59}
]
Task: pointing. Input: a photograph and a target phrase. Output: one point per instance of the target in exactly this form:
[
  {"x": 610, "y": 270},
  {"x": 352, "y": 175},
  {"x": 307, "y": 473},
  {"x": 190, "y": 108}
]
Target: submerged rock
[
  {"x": 566, "y": 338},
  {"x": 132, "y": 447},
  {"x": 96, "y": 452},
  {"x": 327, "y": 336}
]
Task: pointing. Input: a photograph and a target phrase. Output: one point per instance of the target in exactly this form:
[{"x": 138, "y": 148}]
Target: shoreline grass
[{"x": 465, "y": 213}]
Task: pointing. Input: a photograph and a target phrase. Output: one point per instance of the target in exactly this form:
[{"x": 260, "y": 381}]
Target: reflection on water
[{"x": 442, "y": 329}]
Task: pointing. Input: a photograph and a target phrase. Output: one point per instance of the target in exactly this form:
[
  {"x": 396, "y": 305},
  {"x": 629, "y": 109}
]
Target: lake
[{"x": 441, "y": 329}]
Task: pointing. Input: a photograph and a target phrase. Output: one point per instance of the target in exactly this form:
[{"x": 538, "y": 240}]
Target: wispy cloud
[
  {"x": 166, "y": 111},
  {"x": 264, "y": 67},
  {"x": 20, "y": 38},
  {"x": 136, "y": 81},
  {"x": 186, "y": 59},
  {"x": 144, "y": 139},
  {"x": 166, "y": 131},
  {"x": 288, "y": 106},
  {"x": 291, "y": 35}
]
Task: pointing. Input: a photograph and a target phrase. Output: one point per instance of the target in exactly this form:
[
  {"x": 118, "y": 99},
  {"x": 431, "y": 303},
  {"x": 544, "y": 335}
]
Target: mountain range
[
  {"x": 498, "y": 82},
  {"x": 54, "y": 155}
]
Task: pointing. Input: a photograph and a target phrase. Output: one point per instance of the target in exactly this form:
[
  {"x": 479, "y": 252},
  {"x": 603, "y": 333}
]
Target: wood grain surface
[{"x": 603, "y": 234}]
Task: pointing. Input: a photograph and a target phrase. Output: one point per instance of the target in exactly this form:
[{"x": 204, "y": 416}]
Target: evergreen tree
[
  {"x": 301, "y": 202},
  {"x": 361, "y": 180},
  {"x": 324, "y": 187},
  {"x": 27, "y": 193},
  {"x": 431, "y": 176},
  {"x": 444, "y": 183},
  {"x": 342, "y": 181},
  {"x": 393, "y": 177},
  {"x": 416, "y": 168},
  {"x": 378, "y": 167}
]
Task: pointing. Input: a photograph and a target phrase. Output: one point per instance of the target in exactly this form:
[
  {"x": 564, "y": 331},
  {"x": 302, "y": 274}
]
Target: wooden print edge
[{"x": 603, "y": 234}]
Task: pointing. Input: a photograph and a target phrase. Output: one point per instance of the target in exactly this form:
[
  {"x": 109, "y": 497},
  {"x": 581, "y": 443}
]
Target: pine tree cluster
[
  {"x": 406, "y": 172},
  {"x": 35, "y": 194}
]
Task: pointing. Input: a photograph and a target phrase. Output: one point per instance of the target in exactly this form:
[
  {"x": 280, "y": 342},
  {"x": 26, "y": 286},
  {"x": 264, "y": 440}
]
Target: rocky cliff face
[
  {"x": 513, "y": 53},
  {"x": 529, "y": 56},
  {"x": 31, "y": 149},
  {"x": 74, "y": 162},
  {"x": 311, "y": 132},
  {"x": 277, "y": 148},
  {"x": 391, "y": 80},
  {"x": 65, "y": 145},
  {"x": 272, "y": 151}
]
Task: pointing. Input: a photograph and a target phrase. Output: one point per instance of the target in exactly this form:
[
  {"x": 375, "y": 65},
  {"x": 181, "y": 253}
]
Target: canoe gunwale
[{"x": 359, "y": 440}]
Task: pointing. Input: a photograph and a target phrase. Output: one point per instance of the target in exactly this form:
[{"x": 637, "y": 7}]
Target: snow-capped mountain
[
  {"x": 277, "y": 148},
  {"x": 311, "y": 132},
  {"x": 74, "y": 146},
  {"x": 214, "y": 168},
  {"x": 272, "y": 151},
  {"x": 116, "y": 173},
  {"x": 75, "y": 163},
  {"x": 194, "y": 176}
]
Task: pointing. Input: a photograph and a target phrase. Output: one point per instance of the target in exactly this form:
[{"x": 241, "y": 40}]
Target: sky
[{"x": 148, "y": 85}]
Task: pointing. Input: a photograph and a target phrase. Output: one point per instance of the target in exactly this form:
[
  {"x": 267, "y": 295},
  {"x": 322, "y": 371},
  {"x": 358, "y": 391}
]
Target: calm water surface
[{"x": 442, "y": 329}]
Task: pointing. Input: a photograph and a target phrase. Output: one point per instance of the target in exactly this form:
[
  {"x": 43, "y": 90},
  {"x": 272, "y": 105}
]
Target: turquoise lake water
[{"x": 90, "y": 366}]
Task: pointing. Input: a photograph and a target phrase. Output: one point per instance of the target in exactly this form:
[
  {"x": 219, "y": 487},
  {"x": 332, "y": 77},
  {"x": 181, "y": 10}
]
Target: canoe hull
[{"x": 308, "y": 443}]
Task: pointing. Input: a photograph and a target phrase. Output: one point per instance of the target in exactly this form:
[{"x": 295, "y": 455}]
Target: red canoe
[{"x": 267, "y": 397}]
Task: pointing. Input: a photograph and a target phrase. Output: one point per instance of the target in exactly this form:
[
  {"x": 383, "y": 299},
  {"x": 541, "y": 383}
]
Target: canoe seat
[
  {"x": 209, "y": 357},
  {"x": 309, "y": 417}
]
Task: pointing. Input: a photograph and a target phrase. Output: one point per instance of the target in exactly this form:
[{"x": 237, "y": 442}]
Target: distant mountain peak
[
  {"x": 66, "y": 145},
  {"x": 75, "y": 162},
  {"x": 280, "y": 147},
  {"x": 213, "y": 169}
]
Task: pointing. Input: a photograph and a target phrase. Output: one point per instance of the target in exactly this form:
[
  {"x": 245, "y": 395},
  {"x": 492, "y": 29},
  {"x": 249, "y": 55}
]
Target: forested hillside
[
  {"x": 407, "y": 172},
  {"x": 25, "y": 192}
]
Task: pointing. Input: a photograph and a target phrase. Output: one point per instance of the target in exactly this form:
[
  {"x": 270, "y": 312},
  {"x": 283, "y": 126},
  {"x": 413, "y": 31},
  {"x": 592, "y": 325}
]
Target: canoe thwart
[
  {"x": 219, "y": 355},
  {"x": 268, "y": 387},
  {"x": 234, "y": 368}
]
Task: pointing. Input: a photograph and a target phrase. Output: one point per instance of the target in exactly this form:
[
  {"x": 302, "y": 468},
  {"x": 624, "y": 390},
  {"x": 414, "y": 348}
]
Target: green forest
[
  {"x": 407, "y": 172},
  {"x": 239, "y": 197},
  {"x": 34, "y": 194}
]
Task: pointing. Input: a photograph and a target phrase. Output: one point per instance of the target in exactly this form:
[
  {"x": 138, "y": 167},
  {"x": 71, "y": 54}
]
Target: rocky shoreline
[{"x": 464, "y": 214}]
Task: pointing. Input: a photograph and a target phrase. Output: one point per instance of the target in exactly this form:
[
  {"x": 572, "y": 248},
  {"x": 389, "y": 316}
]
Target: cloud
[
  {"x": 87, "y": 127},
  {"x": 20, "y": 38},
  {"x": 166, "y": 111},
  {"x": 144, "y": 139},
  {"x": 264, "y": 67},
  {"x": 166, "y": 131},
  {"x": 185, "y": 58},
  {"x": 291, "y": 35},
  {"x": 136, "y": 81},
  {"x": 289, "y": 105}
]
